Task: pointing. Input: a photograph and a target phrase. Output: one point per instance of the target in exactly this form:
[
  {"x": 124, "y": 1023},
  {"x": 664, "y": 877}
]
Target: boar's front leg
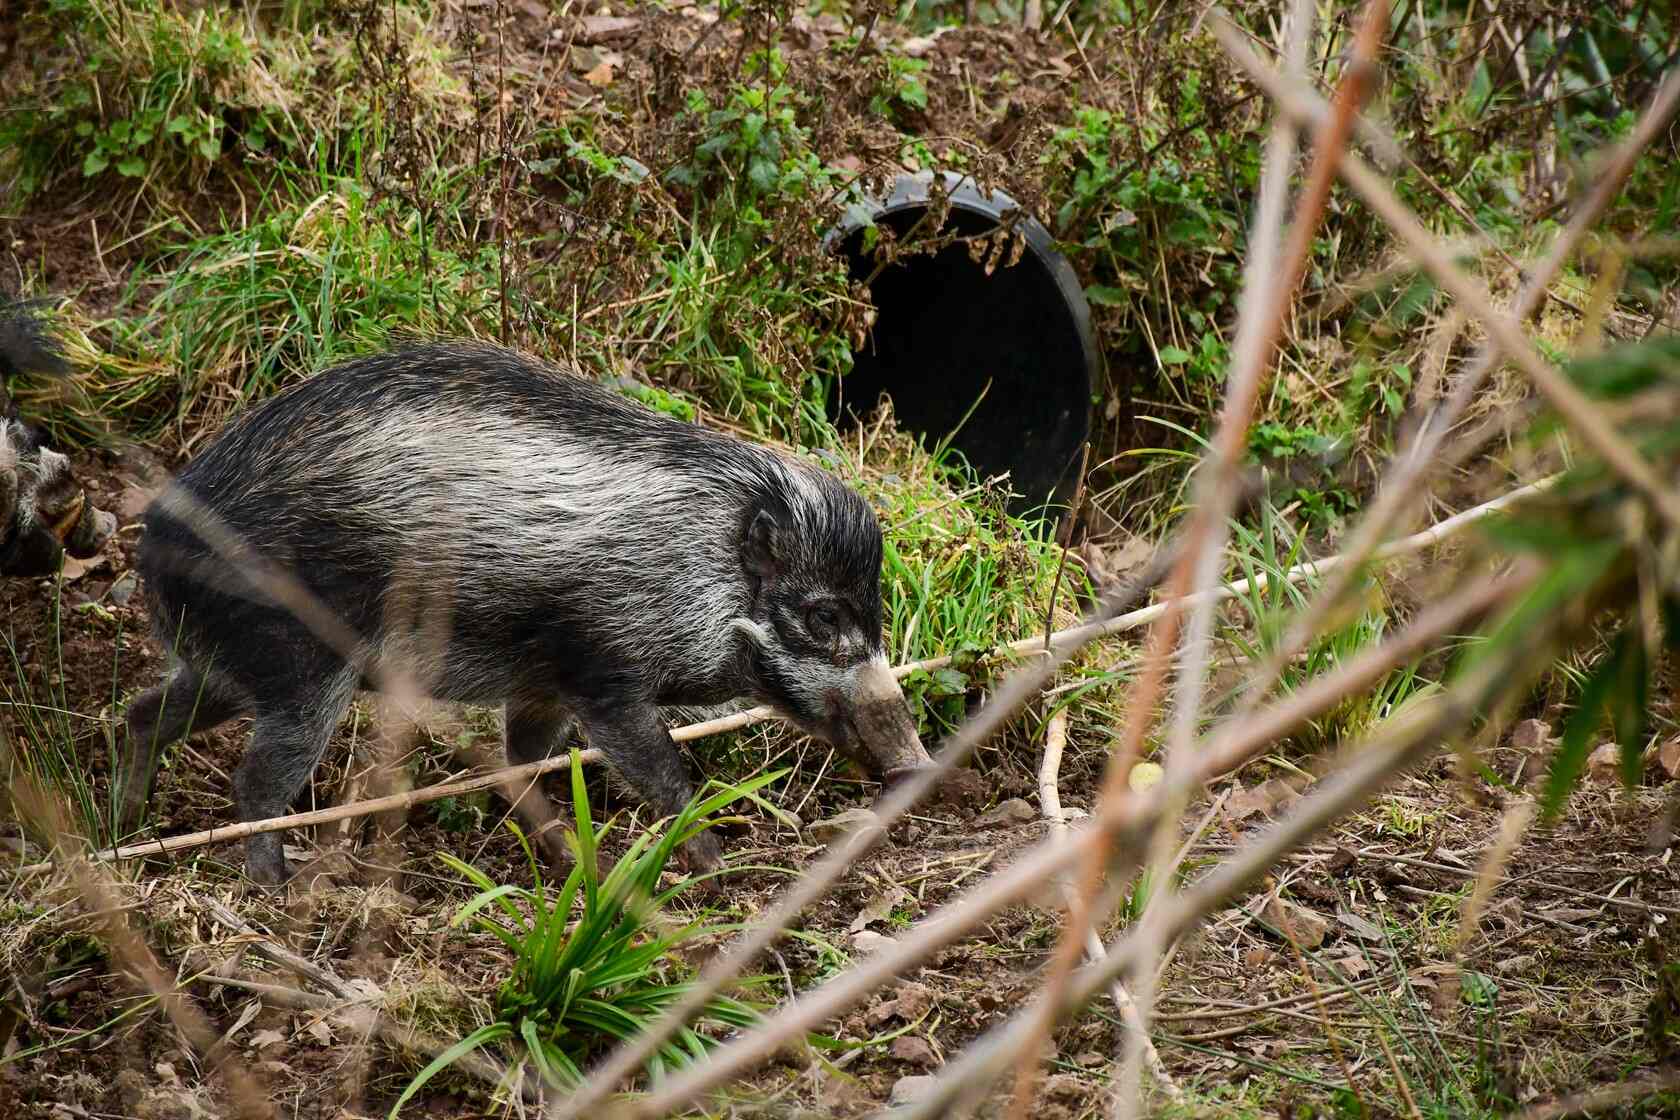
[{"x": 633, "y": 737}]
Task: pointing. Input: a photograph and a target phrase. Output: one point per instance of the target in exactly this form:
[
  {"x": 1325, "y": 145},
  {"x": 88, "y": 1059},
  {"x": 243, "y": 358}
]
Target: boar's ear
[{"x": 761, "y": 545}]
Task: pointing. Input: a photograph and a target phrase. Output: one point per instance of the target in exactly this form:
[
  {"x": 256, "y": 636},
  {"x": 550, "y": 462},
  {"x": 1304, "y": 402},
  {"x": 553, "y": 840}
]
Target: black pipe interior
[{"x": 946, "y": 332}]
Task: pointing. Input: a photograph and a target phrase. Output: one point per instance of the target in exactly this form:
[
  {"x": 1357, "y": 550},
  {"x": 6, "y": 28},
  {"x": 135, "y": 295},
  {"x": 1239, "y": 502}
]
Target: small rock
[
  {"x": 840, "y": 824},
  {"x": 1267, "y": 798},
  {"x": 1668, "y": 756},
  {"x": 1515, "y": 966},
  {"x": 881, "y": 1012},
  {"x": 1531, "y": 735},
  {"x": 1362, "y": 928},
  {"x": 123, "y": 589},
  {"x": 1088, "y": 1058},
  {"x": 1605, "y": 763},
  {"x": 1011, "y": 812},
  {"x": 907, "y": 1089},
  {"x": 962, "y": 790},
  {"x": 914, "y": 1000},
  {"x": 601, "y": 29},
  {"x": 867, "y": 941},
  {"x": 915, "y": 1050}
]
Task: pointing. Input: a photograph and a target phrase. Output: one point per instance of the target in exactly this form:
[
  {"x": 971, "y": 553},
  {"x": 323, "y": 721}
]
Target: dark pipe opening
[{"x": 947, "y": 335}]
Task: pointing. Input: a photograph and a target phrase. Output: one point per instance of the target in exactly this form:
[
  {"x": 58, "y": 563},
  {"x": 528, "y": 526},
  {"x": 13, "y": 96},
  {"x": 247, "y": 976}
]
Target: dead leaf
[
  {"x": 320, "y": 1032},
  {"x": 1567, "y": 913},
  {"x": 602, "y": 75},
  {"x": 263, "y": 1039},
  {"x": 75, "y": 569},
  {"x": 1353, "y": 966},
  {"x": 1305, "y": 927},
  {"x": 600, "y": 29},
  {"x": 1360, "y": 927}
]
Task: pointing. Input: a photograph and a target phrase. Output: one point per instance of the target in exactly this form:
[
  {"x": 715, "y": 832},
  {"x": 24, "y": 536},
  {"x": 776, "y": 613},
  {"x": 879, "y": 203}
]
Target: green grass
[
  {"x": 581, "y": 983},
  {"x": 45, "y": 735},
  {"x": 221, "y": 321}
]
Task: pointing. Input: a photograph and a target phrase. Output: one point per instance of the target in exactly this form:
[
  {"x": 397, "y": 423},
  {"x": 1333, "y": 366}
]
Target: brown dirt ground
[{"x": 1561, "y": 943}]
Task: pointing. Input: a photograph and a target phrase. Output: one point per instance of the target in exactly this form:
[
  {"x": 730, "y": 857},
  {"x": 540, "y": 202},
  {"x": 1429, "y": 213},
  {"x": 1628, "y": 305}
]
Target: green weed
[
  {"x": 156, "y": 91},
  {"x": 45, "y": 731},
  {"x": 579, "y": 983}
]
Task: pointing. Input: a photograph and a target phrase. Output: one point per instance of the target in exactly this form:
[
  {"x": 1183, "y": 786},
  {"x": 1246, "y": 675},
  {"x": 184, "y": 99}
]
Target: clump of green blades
[
  {"x": 1606, "y": 551},
  {"x": 602, "y": 977}
]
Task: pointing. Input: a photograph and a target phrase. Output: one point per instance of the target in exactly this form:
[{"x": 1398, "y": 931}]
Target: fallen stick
[
  {"x": 1050, "y": 805},
  {"x": 1061, "y": 639}
]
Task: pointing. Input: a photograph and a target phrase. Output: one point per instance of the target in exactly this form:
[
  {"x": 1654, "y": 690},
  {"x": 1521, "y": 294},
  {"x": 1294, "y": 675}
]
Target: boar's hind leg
[
  {"x": 634, "y": 738},
  {"x": 286, "y": 745},
  {"x": 534, "y": 729},
  {"x": 184, "y": 703}
]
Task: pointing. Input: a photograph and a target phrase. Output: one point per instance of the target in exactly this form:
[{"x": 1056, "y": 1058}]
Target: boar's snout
[{"x": 882, "y": 735}]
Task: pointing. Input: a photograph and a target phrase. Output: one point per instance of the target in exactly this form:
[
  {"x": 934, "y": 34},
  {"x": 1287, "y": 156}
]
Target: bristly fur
[
  {"x": 37, "y": 490},
  {"x": 515, "y": 495},
  {"x": 576, "y": 551},
  {"x": 25, "y": 344}
]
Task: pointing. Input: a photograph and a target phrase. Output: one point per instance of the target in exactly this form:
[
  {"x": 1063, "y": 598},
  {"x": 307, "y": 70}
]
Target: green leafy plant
[
  {"x": 900, "y": 87},
  {"x": 589, "y": 964},
  {"x": 157, "y": 89}
]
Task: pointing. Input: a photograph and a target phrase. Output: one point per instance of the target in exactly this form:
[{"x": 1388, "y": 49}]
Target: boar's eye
[{"x": 823, "y": 621}]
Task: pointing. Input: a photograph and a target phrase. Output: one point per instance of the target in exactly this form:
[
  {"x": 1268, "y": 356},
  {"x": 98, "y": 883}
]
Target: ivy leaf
[
  {"x": 95, "y": 162},
  {"x": 1173, "y": 356},
  {"x": 763, "y": 174},
  {"x": 133, "y": 167},
  {"x": 1105, "y": 296}
]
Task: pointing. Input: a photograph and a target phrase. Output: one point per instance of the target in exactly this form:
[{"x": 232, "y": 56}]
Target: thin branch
[
  {"x": 1064, "y": 642},
  {"x": 1404, "y": 484},
  {"x": 1050, "y": 806},
  {"x": 1049, "y": 858},
  {"x": 1574, "y": 406},
  {"x": 1396, "y": 746}
]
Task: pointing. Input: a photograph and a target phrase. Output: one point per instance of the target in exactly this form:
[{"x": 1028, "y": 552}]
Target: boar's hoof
[
  {"x": 265, "y": 865},
  {"x": 700, "y": 856}
]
